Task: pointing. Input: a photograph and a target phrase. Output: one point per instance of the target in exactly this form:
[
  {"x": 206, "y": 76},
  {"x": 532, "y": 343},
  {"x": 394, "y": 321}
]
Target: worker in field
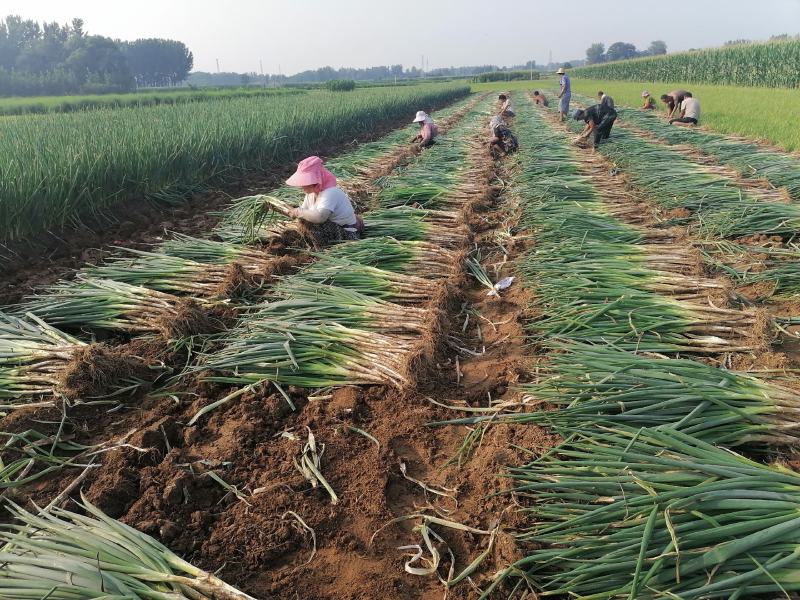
[
  {"x": 599, "y": 122},
  {"x": 539, "y": 98},
  {"x": 690, "y": 112},
  {"x": 605, "y": 100},
  {"x": 647, "y": 101},
  {"x": 506, "y": 109},
  {"x": 564, "y": 94},
  {"x": 673, "y": 100},
  {"x": 427, "y": 130},
  {"x": 503, "y": 142},
  {"x": 326, "y": 208}
]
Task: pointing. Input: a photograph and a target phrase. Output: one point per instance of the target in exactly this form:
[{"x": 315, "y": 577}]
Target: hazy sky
[{"x": 306, "y": 34}]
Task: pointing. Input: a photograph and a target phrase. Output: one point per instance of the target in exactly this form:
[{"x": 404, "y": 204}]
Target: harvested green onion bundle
[
  {"x": 601, "y": 384},
  {"x": 38, "y": 360},
  {"x": 104, "y": 304},
  {"x": 406, "y": 223},
  {"x": 61, "y": 555},
  {"x": 650, "y": 513},
  {"x": 310, "y": 355},
  {"x": 390, "y": 254},
  {"x": 172, "y": 274},
  {"x": 32, "y": 356},
  {"x": 209, "y": 251},
  {"x": 370, "y": 281}
]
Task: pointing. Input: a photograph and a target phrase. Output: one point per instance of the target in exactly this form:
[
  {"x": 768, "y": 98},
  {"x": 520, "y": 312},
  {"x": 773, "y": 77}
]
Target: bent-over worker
[
  {"x": 564, "y": 94},
  {"x": 690, "y": 112},
  {"x": 598, "y": 122},
  {"x": 539, "y": 98},
  {"x": 326, "y": 207},
  {"x": 503, "y": 141},
  {"x": 673, "y": 100},
  {"x": 427, "y": 129},
  {"x": 505, "y": 107},
  {"x": 647, "y": 101}
]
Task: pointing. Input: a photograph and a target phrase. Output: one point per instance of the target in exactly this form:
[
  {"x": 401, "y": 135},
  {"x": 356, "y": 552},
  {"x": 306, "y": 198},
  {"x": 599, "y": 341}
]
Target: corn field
[{"x": 775, "y": 64}]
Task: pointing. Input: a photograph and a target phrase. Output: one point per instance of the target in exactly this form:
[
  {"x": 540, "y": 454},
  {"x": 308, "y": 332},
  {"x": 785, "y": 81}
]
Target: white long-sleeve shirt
[{"x": 331, "y": 204}]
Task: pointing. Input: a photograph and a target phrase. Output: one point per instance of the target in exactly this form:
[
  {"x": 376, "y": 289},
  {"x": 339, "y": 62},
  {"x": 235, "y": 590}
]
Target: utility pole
[
  {"x": 533, "y": 62},
  {"x": 217, "y": 65},
  {"x": 423, "y": 66},
  {"x": 261, "y": 69}
]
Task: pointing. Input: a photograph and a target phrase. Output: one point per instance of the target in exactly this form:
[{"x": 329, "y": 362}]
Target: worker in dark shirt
[{"x": 598, "y": 120}]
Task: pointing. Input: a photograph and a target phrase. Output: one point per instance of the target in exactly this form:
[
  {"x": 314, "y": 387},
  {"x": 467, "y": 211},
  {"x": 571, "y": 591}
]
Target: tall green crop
[{"x": 775, "y": 64}]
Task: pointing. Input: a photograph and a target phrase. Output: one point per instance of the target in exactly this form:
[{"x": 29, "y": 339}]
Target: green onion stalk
[
  {"x": 310, "y": 354},
  {"x": 321, "y": 303},
  {"x": 104, "y": 304},
  {"x": 444, "y": 228},
  {"x": 655, "y": 513},
  {"x": 30, "y": 455},
  {"x": 62, "y": 555}
]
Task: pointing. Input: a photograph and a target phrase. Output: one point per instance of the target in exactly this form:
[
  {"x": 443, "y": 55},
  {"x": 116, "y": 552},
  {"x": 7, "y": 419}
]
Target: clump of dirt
[
  {"x": 191, "y": 318},
  {"x": 95, "y": 370}
]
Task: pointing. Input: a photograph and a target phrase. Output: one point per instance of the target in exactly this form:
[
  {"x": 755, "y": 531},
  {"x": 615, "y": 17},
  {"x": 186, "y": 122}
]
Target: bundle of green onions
[
  {"x": 390, "y": 254},
  {"x": 61, "y": 555},
  {"x": 104, "y": 304},
  {"x": 656, "y": 513},
  {"x": 173, "y": 274},
  {"x": 367, "y": 280},
  {"x": 32, "y": 356},
  {"x": 601, "y": 384},
  {"x": 444, "y": 228},
  {"x": 309, "y": 353},
  {"x": 314, "y": 302},
  {"x": 210, "y": 251},
  {"x": 260, "y": 215}
]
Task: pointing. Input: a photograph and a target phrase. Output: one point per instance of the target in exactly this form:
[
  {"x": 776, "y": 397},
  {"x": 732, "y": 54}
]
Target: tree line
[
  {"x": 597, "y": 52},
  {"x": 54, "y": 59}
]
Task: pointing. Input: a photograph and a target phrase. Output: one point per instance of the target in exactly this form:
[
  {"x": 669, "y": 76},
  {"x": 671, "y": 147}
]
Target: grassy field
[
  {"x": 50, "y": 104},
  {"x": 57, "y": 168}
]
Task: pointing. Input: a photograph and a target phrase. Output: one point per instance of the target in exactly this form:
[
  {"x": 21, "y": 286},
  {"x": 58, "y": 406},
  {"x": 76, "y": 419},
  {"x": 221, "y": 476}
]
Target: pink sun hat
[{"x": 311, "y": 171}]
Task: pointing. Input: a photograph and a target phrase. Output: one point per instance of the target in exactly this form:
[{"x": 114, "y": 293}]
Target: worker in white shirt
[
  {"x": 326, "y": 207},
  {"x": 690, "y": 112},
  {"x": 505, "y": 106}
]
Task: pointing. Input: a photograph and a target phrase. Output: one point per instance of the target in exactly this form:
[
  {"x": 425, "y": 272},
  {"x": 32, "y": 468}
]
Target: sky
[{"x": 288, "y": 36}]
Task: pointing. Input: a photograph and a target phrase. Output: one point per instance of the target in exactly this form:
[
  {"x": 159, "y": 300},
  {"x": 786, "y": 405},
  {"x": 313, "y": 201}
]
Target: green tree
[
  {"x": 657, "y": 47},
  {"x": 620, "y": 51},
  {"x": 158, "y": 62},
  {"x": 595, "y": 53}
]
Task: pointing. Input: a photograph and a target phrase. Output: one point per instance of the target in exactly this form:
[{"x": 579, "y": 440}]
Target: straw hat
[
  {"x": 560, "y": 71},
  {"x": 645, "y": 94},
  {"x": 421, "y": 116}
]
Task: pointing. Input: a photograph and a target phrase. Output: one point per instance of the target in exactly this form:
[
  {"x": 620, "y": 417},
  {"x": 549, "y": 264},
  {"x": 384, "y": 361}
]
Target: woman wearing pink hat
[
  {"x": 427, "y": 130},
  {"x": 326, "y": 207}
]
